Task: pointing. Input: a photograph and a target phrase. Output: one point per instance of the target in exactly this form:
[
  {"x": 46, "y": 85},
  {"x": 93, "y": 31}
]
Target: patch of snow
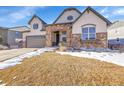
[
  {"x": 97, "y": 49},
  {"x": 17, "y": 60},
  {"x": 112, "y": 57},
  {"x": 2, "y": 84}
]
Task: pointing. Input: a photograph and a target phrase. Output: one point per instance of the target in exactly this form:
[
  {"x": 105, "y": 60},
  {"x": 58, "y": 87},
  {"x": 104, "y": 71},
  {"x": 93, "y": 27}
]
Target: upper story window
[
  {"x": 70, "y": 18},
  {"x": 35, "y": 26},
  {"x": 89, "y": 32}
]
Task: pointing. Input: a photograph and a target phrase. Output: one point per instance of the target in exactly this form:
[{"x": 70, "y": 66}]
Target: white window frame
[{"x": 88, "y": 26}]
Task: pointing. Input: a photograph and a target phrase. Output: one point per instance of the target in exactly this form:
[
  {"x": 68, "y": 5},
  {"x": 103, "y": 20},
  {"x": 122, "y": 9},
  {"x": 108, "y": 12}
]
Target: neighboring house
[
  {"x": 77, "y": 30},
  {"x": 3, "y": 36},
  {"x": 116, "y": 35},
  {"x": 36, "y": 38},
  {"x": 23, "y": 36},
  {"x": 15, "y": 36}
]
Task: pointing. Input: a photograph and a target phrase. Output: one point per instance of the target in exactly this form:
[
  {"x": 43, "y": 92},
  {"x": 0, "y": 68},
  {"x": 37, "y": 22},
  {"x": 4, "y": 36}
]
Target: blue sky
[{"x": 19, "y": 15}]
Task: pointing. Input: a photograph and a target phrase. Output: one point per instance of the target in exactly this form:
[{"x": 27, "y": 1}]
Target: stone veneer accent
[
  {"x": 75, "y": 39},
  {"x": 100, "y": 42},
  {"x": 58, "y": 27}
]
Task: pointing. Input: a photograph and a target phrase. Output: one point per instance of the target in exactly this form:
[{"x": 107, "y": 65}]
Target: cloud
[
  {"x": 23, "y": 13},
  {"x": 112, "y": 11},
  {"x": 118, "y": 11},
  {"x": 107, "y": 15},
  {"x": 19, "y": 14},
  {"x": 104, "y": 10}
]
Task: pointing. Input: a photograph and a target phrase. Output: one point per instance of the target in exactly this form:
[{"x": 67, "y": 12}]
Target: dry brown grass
[{"x": 54, "y": 69}]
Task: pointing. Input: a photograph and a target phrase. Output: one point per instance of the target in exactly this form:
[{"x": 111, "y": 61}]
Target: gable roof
[
  {"x": 67, "y": 9},
  {"x": 98, "y": 14},
  {"x": 35, "y": 16}
]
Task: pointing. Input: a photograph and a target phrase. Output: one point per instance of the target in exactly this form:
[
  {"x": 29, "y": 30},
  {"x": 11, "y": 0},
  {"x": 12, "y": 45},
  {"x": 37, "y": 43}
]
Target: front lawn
[{"x": 54, "y": 69}]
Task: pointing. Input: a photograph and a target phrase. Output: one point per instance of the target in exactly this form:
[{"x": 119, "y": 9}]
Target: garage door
[{"x": 35, "y": 41}]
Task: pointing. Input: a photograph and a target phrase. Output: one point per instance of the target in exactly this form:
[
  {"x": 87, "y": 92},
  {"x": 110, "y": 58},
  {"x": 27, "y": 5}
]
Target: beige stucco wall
[
  {"x": 116, "y": 33},
  {"x": 32, "y": 34},
  {"x": 63, "y": 18},
  {"x": 35, "y": 31},
  {"x": 89, "y": 18},
  {"x": 36, "y": 21}
]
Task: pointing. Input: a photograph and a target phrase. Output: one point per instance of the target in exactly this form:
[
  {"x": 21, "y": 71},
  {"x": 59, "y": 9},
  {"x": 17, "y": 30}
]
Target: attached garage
[{"x": 35, "y": 41}]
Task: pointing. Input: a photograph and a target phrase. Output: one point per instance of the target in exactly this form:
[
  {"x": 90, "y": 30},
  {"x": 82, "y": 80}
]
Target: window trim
[{"x": 88, "y": 26}]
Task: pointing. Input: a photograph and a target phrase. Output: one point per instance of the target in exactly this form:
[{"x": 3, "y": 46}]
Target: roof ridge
[
  {"x": 66, "y": 9},
  {"x": 18, "y": 27},
  {"x": 38, "y": 18},
  {"x": 97, "y": 13}
]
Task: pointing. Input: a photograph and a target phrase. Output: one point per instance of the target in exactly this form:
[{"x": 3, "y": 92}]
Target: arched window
[{"x": 88, "y": 32}]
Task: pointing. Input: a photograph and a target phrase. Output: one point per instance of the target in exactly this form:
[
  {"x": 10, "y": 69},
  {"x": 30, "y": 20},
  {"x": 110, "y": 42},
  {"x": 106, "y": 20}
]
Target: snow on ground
[
  {"x": 17, "y": 60},
  {"x": 112, "y": 57},
  {"x": 1, "y": 83}
]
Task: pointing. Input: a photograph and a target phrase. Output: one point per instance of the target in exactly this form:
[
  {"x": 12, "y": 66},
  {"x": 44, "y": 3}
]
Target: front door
[{"x": 57, "y": 38}]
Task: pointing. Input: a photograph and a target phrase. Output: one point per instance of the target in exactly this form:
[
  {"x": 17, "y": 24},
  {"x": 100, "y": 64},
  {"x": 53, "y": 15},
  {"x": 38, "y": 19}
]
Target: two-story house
[{"x": 36, "y": 38}]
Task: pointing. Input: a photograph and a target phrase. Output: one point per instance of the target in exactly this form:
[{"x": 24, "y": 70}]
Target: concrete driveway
[{"x": 7, "y": 54}]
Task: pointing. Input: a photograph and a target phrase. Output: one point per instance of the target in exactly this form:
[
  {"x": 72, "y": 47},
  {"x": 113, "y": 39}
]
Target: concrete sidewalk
[{"x": 7, "y": 54}]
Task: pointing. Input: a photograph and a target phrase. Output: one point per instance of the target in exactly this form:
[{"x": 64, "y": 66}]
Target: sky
[{"x": 12, "y": 16}]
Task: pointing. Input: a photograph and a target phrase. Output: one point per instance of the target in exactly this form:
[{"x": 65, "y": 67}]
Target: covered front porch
[{"x": 58, "y": 33}]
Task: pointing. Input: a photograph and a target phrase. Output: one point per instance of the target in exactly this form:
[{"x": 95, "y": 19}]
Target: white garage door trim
[{"x": 37, "y": 41}]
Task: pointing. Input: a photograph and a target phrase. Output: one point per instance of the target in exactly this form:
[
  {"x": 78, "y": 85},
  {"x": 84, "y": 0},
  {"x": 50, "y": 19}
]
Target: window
[
  {"x": 35, "y": 26},
  {"x": 64, "y": 39},
  {"x": 70, "y": 17},
  {"x": 17, "y": 34},
  {"x": 89, "y": 33}
]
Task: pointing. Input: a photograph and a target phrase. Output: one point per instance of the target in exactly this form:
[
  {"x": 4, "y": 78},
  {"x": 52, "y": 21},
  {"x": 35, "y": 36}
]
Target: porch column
[
  {"x": 69, "y": 36},
  {"x": 48, "y": 37}
]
